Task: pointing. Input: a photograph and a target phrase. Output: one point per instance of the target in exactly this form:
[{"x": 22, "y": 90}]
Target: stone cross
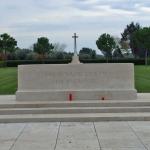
[{"x": 75, "y": 43}]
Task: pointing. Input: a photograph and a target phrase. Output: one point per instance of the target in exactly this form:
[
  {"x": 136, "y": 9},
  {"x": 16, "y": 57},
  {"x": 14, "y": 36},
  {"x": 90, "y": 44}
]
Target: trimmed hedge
[
  {"x": 15, "y": 63},
  {"x": 2, "y": 63},
  {"x": 134, "y": 61}
]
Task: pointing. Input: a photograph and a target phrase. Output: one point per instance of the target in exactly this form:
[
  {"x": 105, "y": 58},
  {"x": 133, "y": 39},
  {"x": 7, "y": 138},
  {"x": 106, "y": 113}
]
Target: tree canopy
[
  {"x": 127, "y": 35},
  {"x": 7, "y": 43},
  {"x": 106, "y": 44},
  {"x": 129, "y": 30},
  {"x": 87, "y": 51},
  {"x": 43, "y": 46},
  {"x": 117, "y": 53},
  {"x": 141, "y": 40},
  {"x": 58, "y": 47}
]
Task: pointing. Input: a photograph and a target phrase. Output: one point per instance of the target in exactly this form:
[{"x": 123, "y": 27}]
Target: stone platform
[
  {"x": 76, "y": 82},
  {"x": 12, "y": 111}
]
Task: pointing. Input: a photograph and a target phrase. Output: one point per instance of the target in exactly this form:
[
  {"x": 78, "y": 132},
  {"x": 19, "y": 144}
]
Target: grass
[
  {"x": 142, "y": 79},
  {"x": 8, "y": 79}
]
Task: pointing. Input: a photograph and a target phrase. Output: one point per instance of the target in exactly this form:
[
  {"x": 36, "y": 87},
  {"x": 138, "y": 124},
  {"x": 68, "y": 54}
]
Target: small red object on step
[
  {"x": 70, "y": 97},
  {"x": 102, "y": 98}
]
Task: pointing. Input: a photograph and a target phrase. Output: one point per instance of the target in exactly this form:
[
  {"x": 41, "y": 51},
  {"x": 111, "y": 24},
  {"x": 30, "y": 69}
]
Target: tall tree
[
  {"x": 141, "y": 40},
  {"x": 106, "y": 44},
  {"x": 7, "y": 44},
  {"x": 43, "y": 47},
  {"x": 127, "y": 34}
]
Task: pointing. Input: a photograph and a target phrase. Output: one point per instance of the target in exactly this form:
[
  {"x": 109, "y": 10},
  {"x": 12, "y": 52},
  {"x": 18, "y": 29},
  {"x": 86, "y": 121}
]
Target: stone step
[
  {"x": 72, "y": 110},
  {"x": 88, "y": 117},
  {"x": 127, "y": 103}
]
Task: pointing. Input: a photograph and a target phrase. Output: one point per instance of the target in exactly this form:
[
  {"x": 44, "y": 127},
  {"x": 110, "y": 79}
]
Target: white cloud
[
  {"x": 26, "y": 20},
  {"x": 145, "y": 9}
]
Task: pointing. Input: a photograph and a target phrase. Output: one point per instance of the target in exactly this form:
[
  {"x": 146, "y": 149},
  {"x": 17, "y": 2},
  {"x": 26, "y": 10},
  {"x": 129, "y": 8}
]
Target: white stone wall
[{"x": 84, "y": 81}]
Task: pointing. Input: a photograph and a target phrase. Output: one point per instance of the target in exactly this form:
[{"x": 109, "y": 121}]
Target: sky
[{"x": 26, "y": 20}]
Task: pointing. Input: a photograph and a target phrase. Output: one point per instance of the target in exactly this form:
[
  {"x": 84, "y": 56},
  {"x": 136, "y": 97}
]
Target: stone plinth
[
  {"x": 75, "y": 59},
  {"x": 81, "y": 81}
]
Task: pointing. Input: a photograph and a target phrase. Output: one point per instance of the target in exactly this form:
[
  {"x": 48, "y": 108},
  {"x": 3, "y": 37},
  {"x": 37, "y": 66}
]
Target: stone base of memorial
[
  {"x": 75, "y": 59},
  {"x": 76, "y": 82}
]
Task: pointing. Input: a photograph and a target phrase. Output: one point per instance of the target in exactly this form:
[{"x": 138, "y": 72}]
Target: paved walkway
[{"x": 76, "y": 136}]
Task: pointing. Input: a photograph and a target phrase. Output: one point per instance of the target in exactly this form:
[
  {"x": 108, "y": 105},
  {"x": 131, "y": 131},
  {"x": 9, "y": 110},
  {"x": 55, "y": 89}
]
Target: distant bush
[
  {"x": 84, "y": 56},
  {"x": 60, "y": 55}
]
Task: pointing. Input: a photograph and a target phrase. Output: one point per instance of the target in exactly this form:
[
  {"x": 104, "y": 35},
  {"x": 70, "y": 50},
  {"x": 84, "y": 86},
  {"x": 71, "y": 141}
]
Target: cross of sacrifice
[{"x": 75, "y": 43}]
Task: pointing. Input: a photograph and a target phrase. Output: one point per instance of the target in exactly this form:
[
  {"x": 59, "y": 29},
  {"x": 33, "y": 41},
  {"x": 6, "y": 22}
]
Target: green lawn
[
  {"x": 142, "y": 78},
  {"x": 8, "y": 79}
]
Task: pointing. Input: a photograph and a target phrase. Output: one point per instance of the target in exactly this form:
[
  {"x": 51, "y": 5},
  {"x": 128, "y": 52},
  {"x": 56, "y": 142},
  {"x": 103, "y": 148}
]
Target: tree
[
  {"x": 21, "y": 54},
  {"x": 59, "y": 47},
  {"x": 60, "y": 55},
  {"x": 117, "y": 53},
  {"x": 88, "y": 51},
  {"x": 125, "y": 45},
  {"x": 141, "y": 40},
  {"x": 42, "y": 47},
  {"x": 7, "y": 44},
  {"x": 127, "y": 34},
  {"x": 106, "y": 44}
]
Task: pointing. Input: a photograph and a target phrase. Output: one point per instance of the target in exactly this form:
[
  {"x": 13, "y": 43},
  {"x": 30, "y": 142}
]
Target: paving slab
[
  {"x": 77, "y": 136},
  {"x": 142, "y": 130},
  {"x": 119, "y": 135},
  {"x": 38, "y": 136},
  {"x": 9, "y": 134},
  {"x": 122, "y": 149},
  {"x": 143, "y": 96}
]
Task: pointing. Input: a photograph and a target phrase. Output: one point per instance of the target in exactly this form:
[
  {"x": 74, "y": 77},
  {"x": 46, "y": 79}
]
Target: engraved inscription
[{"x": 73, "y": 79}]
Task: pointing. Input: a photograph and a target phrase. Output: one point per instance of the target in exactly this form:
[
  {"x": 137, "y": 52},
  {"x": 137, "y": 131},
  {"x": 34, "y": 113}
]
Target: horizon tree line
[{"x": 135, "y": 41}]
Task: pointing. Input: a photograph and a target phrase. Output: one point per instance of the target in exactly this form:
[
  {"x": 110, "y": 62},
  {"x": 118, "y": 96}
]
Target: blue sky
[{"x": 59, "y": 19}]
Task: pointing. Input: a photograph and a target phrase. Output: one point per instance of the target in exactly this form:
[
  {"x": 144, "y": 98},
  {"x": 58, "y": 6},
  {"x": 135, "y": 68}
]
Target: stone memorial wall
[{"x": 81, "y": 81}]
